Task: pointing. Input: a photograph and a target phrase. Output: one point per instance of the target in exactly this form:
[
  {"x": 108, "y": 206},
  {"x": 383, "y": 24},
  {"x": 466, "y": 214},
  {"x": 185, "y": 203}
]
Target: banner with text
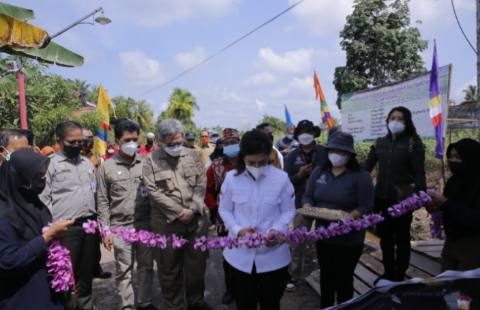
[{"x": 364, "y": 113}]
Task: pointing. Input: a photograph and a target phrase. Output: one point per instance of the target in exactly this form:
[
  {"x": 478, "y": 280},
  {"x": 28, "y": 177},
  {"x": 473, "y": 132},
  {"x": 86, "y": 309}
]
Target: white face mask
[
  {"x": 396, "y": 127},
  {"x": 338, "y": 160},
  {"x": 174, "y": 151},
  {"x": 130, "y": 148},
  {"x": 256, "y": 172},
  {"x": 305, "y": 139},
  {"x": 290, "y": 136}
]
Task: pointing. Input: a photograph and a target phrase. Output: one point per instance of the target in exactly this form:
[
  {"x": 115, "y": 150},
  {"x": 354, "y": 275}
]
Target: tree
[
  {"x": 136, "y": 110},
  {"x": 471, "y": 93},
  {"x": 182, "y": 107},
  {"x": 279, "y": 126},
  {"x": 380, "y": 44}
]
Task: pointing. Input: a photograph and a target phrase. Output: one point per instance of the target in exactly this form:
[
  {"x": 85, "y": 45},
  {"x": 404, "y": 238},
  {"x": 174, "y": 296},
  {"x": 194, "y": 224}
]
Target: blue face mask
[{"x": 231, "y": 150}]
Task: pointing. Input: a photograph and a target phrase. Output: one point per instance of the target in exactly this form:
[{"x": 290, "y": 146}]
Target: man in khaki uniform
[
  {"x": 176, "y": 182},
  {"x": 123, "y": 201},
  {"x": 205, "y": 148}
]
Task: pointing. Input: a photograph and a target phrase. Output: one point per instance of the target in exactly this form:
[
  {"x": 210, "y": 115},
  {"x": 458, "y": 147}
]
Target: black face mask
[
  {"x": 457, "y": 168},
  {"x": 149, "y": 142},
  {"x": 72, "y": 151}
]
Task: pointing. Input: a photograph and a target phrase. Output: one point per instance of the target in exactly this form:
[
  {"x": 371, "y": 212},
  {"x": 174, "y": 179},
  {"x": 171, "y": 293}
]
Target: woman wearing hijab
[
  {"x": 460, "y": 205},
  {"x": 23, "y": 248},
  {"x": 400, "y": 156}
]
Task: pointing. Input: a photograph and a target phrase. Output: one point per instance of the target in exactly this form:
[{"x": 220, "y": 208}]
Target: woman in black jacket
[
  {"x": 400, "y": 156},
  {"x": 23, "y": 247},
  {"x": 460, "y": 205}
]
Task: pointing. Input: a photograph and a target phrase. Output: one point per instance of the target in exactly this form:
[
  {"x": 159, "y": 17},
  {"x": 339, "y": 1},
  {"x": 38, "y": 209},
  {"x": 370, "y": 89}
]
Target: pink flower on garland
[
  {"x": 59, "y": 267},
  {"x": 412, "y": 203},
  {"x": 90, "y": 227}
]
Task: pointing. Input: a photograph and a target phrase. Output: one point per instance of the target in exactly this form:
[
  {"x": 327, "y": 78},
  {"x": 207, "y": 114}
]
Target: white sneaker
[{"x": 290, "y": 287}]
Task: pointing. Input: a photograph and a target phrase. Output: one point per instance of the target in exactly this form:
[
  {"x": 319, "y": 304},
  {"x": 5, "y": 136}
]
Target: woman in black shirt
[{"x": 400, "y": 156}]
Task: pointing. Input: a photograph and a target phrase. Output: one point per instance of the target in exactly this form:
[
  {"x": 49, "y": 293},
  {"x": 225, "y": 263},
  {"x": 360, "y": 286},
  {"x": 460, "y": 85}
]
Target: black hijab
[
  {"x": 467, "y": 183},
  {"x": 22, "y": 178}
]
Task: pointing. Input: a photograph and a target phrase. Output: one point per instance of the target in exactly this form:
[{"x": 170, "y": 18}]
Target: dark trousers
[
  {"x": 82, "y": 251},
  {"x": 229, "y": 277},
  {"x": 264, "y": 289},
  {"x": 337, "y": 265},
  {"x": 394, "y": 236}
]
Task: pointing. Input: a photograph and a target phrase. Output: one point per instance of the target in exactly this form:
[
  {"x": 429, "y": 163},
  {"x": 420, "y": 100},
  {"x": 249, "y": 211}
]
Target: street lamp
[{"x": 101, "y": 19}]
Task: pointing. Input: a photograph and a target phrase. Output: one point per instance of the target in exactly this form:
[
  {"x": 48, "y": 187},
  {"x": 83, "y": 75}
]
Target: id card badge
[
  {"x": 93, "y": 185},
  {"x": 143, "y": 191}
]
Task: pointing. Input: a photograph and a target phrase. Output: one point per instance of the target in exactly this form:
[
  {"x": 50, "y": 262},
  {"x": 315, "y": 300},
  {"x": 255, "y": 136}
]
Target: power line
[
  {"x": 461, "y": 28},
  {"x": 223, "y": 49}
]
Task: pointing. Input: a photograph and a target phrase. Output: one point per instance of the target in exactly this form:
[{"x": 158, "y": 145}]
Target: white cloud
[
  {"x": 430, "y": 12},
  {"x": 322, "y": 17},
  {"x": 294, "y": 61},
  {"x": 260, "y": 79},
  {"x": 260, "y": 105},
  {"x": 188, "y": 59},
  {"x": 140, "y": 70},
  {"x": 159, "y": 13}
]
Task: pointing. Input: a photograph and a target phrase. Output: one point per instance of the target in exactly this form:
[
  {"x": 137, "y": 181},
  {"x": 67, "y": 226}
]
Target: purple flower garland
[
  {"x": 412, "y": 203},
  {"x": 251, "y": 240},
  {"x": 59, "y": 267},
  {"x": 59, "y": 263}
]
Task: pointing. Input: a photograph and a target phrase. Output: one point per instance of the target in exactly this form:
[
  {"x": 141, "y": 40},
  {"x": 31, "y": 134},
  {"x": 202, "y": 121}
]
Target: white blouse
[{"x": 266, "y": 204}]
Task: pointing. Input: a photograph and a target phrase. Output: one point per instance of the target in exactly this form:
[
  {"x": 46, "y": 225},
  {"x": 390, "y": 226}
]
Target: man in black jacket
[{"x": 299, "y": 164}]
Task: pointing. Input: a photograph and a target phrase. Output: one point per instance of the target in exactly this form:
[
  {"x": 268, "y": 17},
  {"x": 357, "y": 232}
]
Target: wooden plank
[
  {"x": 412, "y": 272},
  {"x": 428, "y": 248},
  {"x": 427, "y": 242},
  {"x": 425, "y": 263},
  {"x": 365, "y": 275},
  {"x": 359, "y": 287},
  {"x": 313, "y": 279},
  {"x": 372, "y": 263}
]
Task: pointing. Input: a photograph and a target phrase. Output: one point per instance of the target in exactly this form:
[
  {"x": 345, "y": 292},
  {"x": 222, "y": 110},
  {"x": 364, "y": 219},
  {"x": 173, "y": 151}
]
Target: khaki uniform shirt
[
  {"x": 70, "y": 187},
  {"x": 175, "y": 184},
  {"x": 204, "y": 152},
  {"x": 122, "y": 197}
]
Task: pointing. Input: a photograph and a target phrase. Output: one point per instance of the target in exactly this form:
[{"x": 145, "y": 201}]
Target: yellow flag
[{"x": 103, "y": 106}]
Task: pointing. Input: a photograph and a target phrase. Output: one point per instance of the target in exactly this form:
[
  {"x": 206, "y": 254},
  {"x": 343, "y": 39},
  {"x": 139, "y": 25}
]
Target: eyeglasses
[
  {"x": 74, "y": 141},
  {"x": 256, "y": 163},
  {"x": 173, "y": 144}
]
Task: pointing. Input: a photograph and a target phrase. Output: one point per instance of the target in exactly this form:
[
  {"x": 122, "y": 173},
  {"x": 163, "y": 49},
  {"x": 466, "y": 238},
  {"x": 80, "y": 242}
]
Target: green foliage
[
  {"x": 470, "y": 93},
  {"x": 279, "y": 126},
  {"x": 44, "y": 122},
  {"x": 51, "y": 99},
  {"x": 380, "y": 44},
  {"x": 136, "y": 110},
  {"x": 182, "y": 107}
]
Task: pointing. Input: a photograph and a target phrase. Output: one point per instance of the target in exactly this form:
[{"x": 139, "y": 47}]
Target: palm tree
[
  {"x": 470, "y": 93},
  {"x": 182, "y": 107}
]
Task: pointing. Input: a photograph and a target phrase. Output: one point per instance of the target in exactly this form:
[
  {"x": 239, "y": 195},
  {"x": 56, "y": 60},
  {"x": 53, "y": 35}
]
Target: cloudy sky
[{"x": 149, "y": 41}]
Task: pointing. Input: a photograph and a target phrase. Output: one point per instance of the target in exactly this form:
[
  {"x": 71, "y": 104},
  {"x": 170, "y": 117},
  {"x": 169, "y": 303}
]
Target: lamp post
[{"x": 102, "y": 20}]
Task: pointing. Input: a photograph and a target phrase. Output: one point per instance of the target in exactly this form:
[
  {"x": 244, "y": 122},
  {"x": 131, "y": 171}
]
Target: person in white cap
[{"x": 149, "y": 146}]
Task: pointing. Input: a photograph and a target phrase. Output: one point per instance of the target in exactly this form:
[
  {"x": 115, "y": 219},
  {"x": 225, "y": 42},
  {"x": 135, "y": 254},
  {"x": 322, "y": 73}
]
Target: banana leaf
[
  {"x": 16, "y": 11},
  {"x": 16, "y": 33},
  {"x": 52, "y": 53}
]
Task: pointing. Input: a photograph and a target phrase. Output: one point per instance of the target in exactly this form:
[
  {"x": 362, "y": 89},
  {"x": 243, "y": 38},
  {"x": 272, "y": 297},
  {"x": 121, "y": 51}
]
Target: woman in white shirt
[{"x": 257, "y": 197}]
